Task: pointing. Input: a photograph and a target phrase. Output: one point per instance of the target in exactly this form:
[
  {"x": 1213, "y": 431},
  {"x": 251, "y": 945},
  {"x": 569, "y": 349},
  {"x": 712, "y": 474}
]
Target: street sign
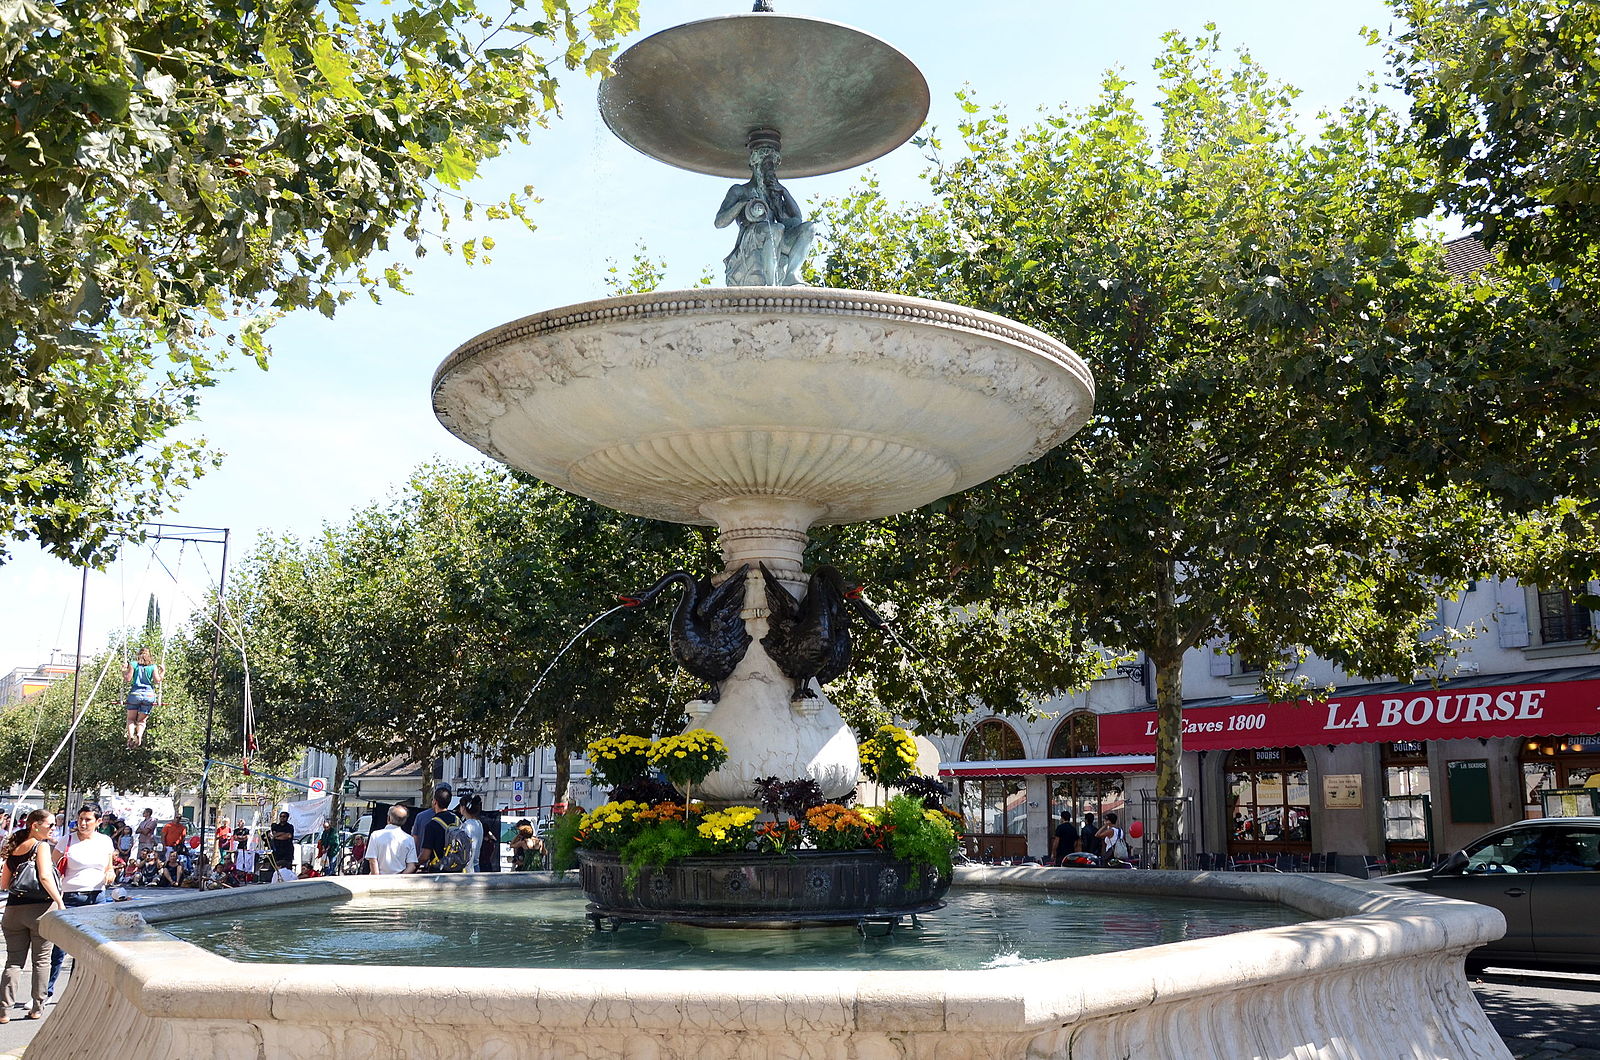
[
  {"x": 517, "y": 792},
  {"x": 319, "y": 786},
  {"x": 263, "y": 802},
  {"x": 352, "y": 787}
]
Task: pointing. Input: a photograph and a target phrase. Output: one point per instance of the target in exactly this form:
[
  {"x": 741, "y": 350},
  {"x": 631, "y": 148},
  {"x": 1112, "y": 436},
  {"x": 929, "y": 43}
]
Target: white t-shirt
[
  {"x": 87, "y": 861},
  {"x": 391, "y": 850}
]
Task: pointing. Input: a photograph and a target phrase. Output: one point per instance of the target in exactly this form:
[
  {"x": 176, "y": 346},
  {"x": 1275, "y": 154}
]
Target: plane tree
[
  {"x": 1207, "y": 265},
  {"x": 177, "y": 174}
]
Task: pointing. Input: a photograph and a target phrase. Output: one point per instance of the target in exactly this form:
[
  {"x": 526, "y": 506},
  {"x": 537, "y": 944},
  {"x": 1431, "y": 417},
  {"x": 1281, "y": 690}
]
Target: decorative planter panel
[{"x": 764, "y": 888}]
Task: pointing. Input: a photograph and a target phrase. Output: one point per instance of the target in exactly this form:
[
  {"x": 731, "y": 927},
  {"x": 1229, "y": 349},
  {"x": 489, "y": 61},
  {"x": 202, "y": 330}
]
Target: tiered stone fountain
[{"x": 766, "y": 409}]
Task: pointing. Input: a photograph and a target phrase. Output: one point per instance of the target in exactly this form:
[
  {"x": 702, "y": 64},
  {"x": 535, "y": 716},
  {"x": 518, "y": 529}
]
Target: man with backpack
[{"x": 442, "y": 844}]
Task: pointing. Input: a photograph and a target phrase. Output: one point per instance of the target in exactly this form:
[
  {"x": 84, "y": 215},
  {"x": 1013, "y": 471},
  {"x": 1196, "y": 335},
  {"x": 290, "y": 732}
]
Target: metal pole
[
  {"x": 211, "y": 708},
  {"x": 77, "y": 665}
]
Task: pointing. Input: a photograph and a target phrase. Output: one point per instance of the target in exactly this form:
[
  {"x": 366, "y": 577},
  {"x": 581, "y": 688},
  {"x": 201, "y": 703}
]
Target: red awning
[
  {"x": 1553, "y": 708},
  {"x": 1055, "y": 767}
]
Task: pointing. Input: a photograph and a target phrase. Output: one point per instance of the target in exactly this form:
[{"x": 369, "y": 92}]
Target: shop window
[
  {"x": 1270, "y": 798},
  {"x": 992, "y": 741},
  {"x": 1407, "y": 791},
  {"x": 1078, "y": 736},
  {"x": 1562, "y": 619},
  {"x": 1553, "y": 762},
  {"x": 1097, "y": 793},
  {"x": 995, "y": 805}
]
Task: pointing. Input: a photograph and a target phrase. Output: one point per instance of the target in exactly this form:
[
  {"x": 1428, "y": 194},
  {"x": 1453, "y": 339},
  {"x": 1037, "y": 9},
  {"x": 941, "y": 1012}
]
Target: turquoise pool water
[{"x": 547, "y": 929}]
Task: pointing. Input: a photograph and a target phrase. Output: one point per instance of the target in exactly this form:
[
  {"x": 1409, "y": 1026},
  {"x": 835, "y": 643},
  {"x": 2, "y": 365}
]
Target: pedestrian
[
  {"x": 419, "y": 824},
  {"x": 1086, "y": 836},
  {"x": 143, "y": 678},
  {"x": 224, "y": 835},
  {"x": 431, "y": 843},
  {"x": 173, "y": 833},
  {"x": 29, "y": 895},
  {"x": 146, "y": 832},
  {"x": 280, "y": 837},
  {"x": 1066, "y": 837},
  {"x": 1110, "y": 837},
  {"x": 472, "y": 809},
  {"x": 88, "y": 872},
  {"x": 391, "y": 851}
]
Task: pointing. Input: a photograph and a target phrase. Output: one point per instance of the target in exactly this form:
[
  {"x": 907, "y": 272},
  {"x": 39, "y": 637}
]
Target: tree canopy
[
  {"x": 176, "y": 174},
  {"x": 423, "y": 625},
  {"x": 1206, "y": 268}
]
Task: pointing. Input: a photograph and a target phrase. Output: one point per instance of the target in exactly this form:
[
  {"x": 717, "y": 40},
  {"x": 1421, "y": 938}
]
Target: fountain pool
[
  {"x": 546, "y": 928},
  {"x": 1377, "y": 972}
]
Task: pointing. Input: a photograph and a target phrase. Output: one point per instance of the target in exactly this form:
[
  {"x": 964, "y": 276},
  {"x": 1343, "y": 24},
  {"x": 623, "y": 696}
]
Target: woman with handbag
[{"x": 28, "y": 877}]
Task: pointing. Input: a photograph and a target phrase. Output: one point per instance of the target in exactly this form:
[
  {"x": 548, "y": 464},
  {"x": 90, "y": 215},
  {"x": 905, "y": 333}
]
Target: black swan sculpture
[
  {"x": 707, "y": 634},
  {"x": 811, "y": 638}
]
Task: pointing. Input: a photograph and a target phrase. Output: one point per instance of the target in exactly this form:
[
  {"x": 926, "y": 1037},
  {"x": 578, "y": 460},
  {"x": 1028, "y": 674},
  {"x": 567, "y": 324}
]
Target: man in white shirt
[
  {"x": 391, "y": 851},
  {"x": 89, "y": 856}
]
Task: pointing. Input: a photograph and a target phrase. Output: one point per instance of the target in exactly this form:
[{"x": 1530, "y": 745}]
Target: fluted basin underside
[{"x": 862, "y": 404}]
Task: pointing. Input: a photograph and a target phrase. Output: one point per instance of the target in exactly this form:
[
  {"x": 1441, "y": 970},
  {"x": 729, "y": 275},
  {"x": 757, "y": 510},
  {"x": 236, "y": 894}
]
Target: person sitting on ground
[
  {"x": 527, "y": 849},
  {"x": 147, "y": 871},
  {"x": 172, "y": 872}
]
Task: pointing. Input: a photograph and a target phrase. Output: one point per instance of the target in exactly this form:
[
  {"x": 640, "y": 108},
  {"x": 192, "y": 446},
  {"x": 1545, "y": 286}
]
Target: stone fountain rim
[
  {"x": 1362, "y": 923},
  {"x": 757, "y": 301}
]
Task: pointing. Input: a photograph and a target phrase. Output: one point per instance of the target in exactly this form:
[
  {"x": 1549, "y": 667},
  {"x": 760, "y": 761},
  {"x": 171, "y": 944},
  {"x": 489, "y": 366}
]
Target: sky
[{"x": 343, "y": 413}]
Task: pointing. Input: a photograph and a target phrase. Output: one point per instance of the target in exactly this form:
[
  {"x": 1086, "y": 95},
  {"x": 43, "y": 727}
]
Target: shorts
[{"x": 141, "y": 703}]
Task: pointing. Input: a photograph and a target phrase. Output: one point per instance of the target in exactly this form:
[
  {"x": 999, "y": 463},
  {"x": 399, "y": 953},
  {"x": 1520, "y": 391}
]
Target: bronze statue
[
  {"x": 707, "y": 634},
  {"x": 773, "y": 235},
  {"x": 811, "y": 638}
]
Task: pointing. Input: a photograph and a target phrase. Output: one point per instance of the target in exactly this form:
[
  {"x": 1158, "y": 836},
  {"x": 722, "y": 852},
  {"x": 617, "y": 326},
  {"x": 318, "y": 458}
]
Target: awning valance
[
  {"x": 1553, "y": 707},
  {"x": 1055, "y": 767}
]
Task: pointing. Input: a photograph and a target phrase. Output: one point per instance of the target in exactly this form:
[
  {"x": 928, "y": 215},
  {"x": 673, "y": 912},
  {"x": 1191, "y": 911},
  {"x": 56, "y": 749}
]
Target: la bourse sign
[{"x": 1558, "y": 708}]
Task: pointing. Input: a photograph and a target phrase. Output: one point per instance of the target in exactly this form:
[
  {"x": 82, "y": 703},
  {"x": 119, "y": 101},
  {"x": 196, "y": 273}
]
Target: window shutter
[
  {"x": 1221, "y": 661},
  {"x": 1513, "y": 629}
]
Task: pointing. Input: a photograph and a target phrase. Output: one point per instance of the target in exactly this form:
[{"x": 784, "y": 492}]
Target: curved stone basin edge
[{"x": 1379, "y": 975}]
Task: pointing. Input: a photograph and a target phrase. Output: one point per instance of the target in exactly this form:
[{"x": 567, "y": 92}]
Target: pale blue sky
[{"x": 343, "y": 414}]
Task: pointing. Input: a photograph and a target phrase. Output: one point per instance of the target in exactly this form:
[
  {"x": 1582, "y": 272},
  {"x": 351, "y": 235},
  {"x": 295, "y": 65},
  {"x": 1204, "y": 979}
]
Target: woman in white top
[
  {"x": 1111, "y": 838},
  {"x": 89, "y": 871},
  {"x": 471, "y": 808}
]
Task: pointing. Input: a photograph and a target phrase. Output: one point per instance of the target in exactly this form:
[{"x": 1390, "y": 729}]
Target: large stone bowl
[{"x": 848, "y": 404}]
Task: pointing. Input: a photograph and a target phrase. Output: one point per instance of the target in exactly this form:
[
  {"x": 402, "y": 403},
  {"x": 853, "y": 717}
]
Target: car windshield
[{"x": 1537, "y": 850}]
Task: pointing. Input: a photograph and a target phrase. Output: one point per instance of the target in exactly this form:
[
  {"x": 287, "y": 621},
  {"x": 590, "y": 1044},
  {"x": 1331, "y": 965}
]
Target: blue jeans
[{"x": 70, "y": 899}]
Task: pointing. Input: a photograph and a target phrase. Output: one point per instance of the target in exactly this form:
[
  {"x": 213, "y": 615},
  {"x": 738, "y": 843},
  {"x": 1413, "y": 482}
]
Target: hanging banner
[
  {"x": 308, "y": 816},
  {"x": 1450, "y": 712}
]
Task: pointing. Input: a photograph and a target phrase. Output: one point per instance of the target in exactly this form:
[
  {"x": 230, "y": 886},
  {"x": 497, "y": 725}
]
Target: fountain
[{"x": 766, "y": 408}]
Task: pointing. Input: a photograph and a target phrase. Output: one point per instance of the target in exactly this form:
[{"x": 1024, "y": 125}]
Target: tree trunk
[
  {"x": 1168, "y": 661},
  {"x": 336, "y": 811},
  {"x": 563, "y": 753},
  {"x": 428, "y": 778}
]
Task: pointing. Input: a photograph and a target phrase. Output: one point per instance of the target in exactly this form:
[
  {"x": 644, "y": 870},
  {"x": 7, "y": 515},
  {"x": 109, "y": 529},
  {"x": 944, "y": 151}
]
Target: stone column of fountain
[{"x": 767, "y": 407}]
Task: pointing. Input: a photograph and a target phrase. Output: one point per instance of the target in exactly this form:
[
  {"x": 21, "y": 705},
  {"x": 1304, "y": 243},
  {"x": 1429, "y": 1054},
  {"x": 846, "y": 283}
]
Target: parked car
[{"x": 1544, "y": 875}]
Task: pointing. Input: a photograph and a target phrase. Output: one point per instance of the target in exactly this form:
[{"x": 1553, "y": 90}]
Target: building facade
[{"x": 1382, "y": 774}]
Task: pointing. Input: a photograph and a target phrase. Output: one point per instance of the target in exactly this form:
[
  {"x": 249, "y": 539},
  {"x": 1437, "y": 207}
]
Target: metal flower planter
[{"x": 763, "y": 890}]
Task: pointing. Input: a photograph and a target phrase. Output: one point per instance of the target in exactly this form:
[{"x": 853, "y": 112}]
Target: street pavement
[{"x": 1543, "y": 1015}]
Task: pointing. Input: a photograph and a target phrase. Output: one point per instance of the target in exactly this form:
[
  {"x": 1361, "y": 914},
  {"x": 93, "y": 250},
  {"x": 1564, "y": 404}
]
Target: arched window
[
  {"x": 992, "y": 741},
  {"x": 1078, "y": 736}
]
